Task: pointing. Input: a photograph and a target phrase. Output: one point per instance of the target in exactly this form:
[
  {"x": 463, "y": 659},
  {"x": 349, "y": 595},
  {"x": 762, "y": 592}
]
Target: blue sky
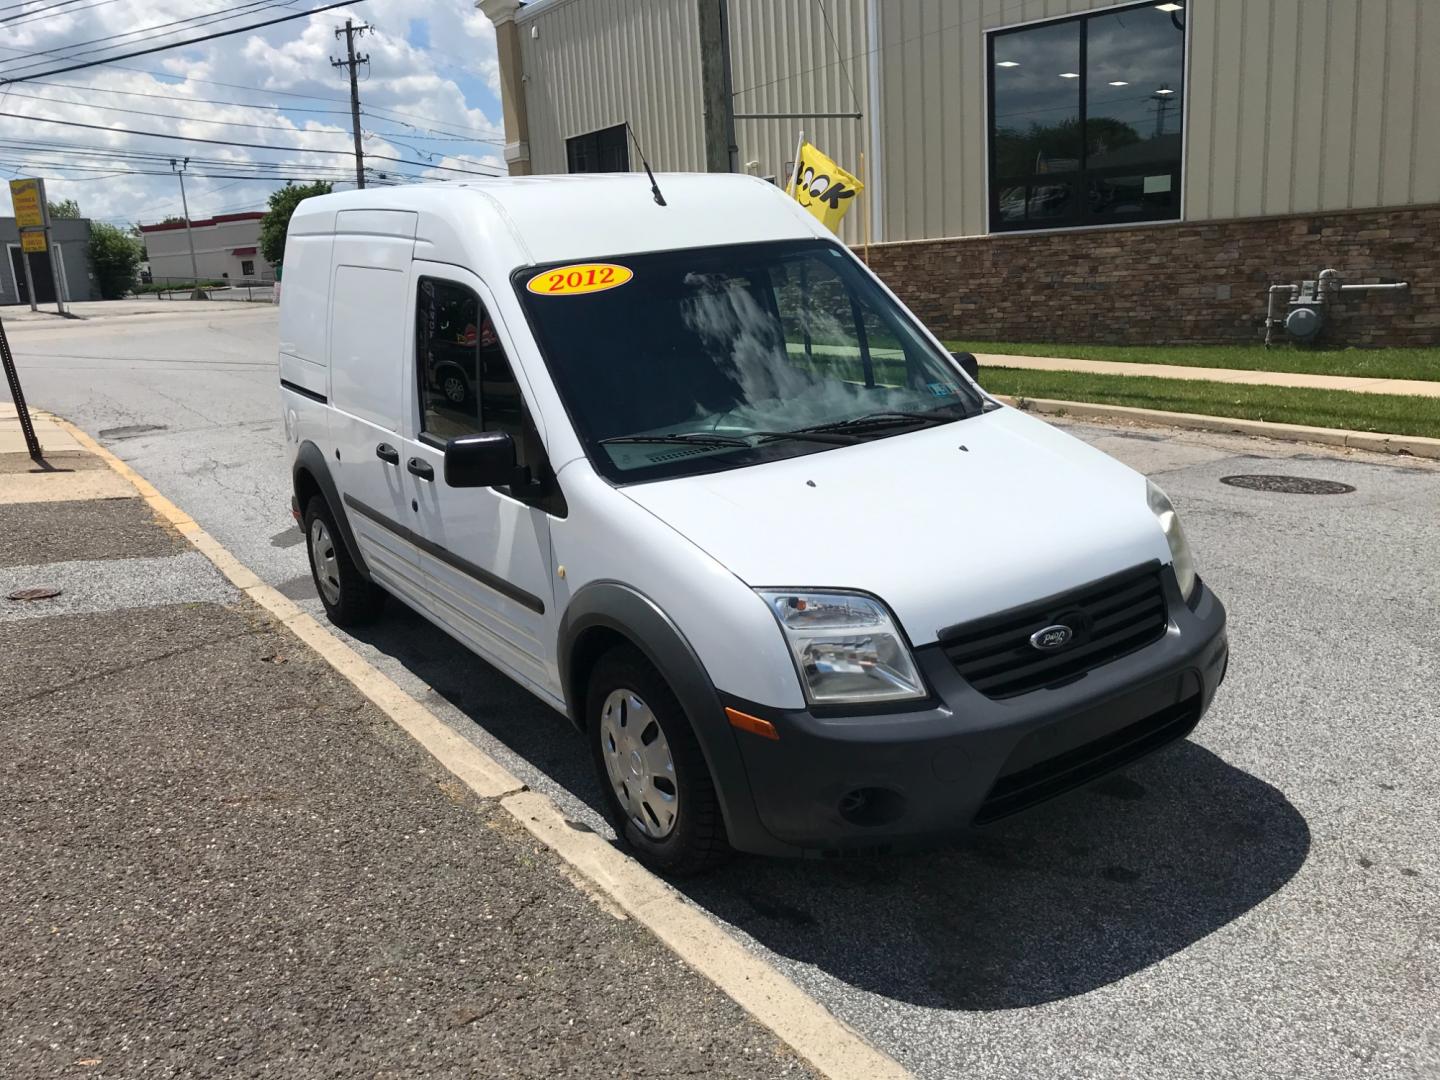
[{"x": 429, "y": 97}]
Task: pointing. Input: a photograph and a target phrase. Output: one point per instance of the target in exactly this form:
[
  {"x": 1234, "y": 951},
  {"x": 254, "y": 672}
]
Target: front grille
[{"x": 1109, "y": 618}]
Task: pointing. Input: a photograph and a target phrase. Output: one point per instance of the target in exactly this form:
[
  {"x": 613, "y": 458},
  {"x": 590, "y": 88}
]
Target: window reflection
[{"x": 1087, "y": 119}]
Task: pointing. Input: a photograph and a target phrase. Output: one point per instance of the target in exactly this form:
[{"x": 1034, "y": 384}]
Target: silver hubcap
[
  {"x": 639, "y": 763},
  {"x": 322, "y": 554},
  {"x": 454, "y": 389}
]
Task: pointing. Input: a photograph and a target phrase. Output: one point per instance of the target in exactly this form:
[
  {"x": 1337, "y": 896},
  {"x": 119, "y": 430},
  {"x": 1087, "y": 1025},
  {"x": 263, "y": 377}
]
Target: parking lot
[{"x": 1257, "y": 901}]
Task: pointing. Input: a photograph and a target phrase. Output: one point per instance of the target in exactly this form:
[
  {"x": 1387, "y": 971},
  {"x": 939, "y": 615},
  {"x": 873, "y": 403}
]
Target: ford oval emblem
[{"x": 1052, "y": 637}]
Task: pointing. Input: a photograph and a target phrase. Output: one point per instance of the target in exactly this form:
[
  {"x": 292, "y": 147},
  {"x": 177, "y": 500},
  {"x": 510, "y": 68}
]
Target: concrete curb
[
  {"x": 1414, "y": 445},
  {"x": 828, "y": 1044}
]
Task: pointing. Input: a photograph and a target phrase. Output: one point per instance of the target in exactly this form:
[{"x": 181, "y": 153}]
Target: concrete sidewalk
[
  {"x": 136, "y": 305},
  {"x": 221, "y": 859},
  {"x": 1415, "y": 387}
]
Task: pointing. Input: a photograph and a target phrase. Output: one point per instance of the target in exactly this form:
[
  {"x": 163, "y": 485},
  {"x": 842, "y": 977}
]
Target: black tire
[
  {"x": 696, "y": 842},
  {"x": 349, "y": 599}
]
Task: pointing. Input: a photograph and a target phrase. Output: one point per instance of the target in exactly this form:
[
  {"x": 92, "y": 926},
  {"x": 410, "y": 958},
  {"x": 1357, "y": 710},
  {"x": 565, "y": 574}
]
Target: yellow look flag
[{"x": 823, "y": 187}]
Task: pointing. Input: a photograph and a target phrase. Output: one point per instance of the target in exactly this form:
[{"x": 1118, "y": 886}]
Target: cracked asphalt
[
  {"x": 1260, "y": 901},
  {"x": 221, "y": 860}
]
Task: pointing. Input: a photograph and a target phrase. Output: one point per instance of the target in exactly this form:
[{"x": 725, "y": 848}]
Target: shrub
[{"x": 114, "y": 257}]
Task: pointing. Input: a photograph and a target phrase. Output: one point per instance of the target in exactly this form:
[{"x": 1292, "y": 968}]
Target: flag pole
[
  {"x": 795, "y": 173},
  {"x": 865, "y": 187}
]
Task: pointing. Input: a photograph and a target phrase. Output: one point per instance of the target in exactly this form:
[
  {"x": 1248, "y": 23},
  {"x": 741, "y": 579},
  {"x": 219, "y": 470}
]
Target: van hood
[{"x": 945, "y": 524}]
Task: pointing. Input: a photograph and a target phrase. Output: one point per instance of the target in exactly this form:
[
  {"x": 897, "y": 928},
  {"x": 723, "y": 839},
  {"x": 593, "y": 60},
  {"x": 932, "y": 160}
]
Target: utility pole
[
  {"x": 717, "y": 95},
  {"x": 351, "y": 32},
  {"x": 196, "y": 293}
]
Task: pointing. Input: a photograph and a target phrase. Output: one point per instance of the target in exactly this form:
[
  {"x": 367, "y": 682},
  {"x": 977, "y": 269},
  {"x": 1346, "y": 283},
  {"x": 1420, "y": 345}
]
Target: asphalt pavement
[
  {"x": 1258, "y": 901},
  {"x": 221, "y": 860}
]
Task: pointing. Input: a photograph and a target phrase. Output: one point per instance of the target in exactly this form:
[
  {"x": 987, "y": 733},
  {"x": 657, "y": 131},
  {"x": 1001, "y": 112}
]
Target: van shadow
[{"x": 1055, "y": 902}]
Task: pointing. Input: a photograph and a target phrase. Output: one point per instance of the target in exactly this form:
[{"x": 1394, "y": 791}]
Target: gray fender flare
[
  {"x": 626, "y": 611},
  {"x": 310, "y": 459}
]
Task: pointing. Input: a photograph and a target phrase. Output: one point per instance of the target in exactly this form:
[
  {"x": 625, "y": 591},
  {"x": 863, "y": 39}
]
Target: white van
[{"x": 693, "y": 476}]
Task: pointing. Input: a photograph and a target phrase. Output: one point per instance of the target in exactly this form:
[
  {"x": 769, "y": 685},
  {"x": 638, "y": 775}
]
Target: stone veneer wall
[{"x": 1200, "y": 282}]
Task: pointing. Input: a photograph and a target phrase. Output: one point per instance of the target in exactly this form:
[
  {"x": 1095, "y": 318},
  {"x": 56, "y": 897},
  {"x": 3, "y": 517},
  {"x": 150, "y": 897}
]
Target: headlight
[
  {"x": 847, "y": 647},
  {"x": 1180, "y": 553}
]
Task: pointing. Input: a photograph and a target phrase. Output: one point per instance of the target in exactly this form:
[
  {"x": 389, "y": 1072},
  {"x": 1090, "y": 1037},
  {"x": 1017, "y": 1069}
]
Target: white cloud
[{"x": 407, "y": 93}]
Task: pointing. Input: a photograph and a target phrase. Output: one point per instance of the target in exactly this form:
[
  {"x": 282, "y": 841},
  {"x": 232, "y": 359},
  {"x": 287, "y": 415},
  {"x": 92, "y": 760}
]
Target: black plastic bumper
[{"x": 833, "y": 784}]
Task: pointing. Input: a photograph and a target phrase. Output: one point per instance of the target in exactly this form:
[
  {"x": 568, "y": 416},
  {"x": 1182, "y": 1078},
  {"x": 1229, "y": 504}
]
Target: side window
[{"x": 466, "y": 384}]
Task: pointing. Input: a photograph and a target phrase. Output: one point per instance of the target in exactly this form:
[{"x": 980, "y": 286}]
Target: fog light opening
[{"x": 871, "y": 806}]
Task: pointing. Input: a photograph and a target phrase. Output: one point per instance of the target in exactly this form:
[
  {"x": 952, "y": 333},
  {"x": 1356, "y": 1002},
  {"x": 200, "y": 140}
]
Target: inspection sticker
[{"x": 579, "y": 278}]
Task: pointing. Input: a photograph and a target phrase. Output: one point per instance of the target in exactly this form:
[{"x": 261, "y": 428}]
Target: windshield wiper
[
  {"x": 705, "y": 438},
  {"x": 878, "y": 420},
  {"x": 694, "y": 438}
]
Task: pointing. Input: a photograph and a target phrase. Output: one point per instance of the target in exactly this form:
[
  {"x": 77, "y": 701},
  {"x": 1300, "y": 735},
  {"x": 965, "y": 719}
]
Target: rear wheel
[
  {"x": 657, "y": 789},
  {"x": 348, "y": 598}
]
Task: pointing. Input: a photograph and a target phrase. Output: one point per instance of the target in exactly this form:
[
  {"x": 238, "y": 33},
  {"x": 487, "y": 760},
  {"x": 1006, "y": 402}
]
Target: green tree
[
  {"x": 64, "y": 209},
  {"x": 114, "y": 257},
  {"x": 276, "y": 221}
]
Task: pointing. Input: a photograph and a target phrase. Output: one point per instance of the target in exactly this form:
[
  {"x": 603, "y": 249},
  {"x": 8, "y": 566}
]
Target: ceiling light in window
[
  {"x": 1164, "y": 90},
  {"x": 1119, "y": 82},
  {"x": 1007, "y": 63},
  {"x": 1169, "y": 7},
  {"x": 1069, "y": 74}
]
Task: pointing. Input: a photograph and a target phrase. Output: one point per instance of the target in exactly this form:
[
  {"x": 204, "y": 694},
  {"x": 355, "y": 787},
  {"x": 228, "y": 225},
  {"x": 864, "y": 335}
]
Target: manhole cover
[
  {"x": 1287, "y": 485},
  {"x": 35, "y": 592}
]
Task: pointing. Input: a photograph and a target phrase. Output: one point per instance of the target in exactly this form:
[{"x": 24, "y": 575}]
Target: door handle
[
  {"x": 387, "y": 453},
  {"x": 420, "y": 468}
]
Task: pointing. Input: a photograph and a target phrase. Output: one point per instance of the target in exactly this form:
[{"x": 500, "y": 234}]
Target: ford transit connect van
[{"x": 694, "y": 477}]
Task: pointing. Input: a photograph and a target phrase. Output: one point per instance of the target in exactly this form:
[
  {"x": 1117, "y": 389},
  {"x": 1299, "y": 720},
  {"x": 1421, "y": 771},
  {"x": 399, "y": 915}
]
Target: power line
[
  {"x": 165, "y": 116},
  {"x": 177, "y": 138},
  {"x": 844, "y": 70},
  {"x": 374, "y": 112},
  {"x": 195, "y": 100},
  {"x": 247, "y": 145},
  {"x": 63, "y": 52},
  {"x": 187, "y": 41},
  {"x": 41, "y": 15}
]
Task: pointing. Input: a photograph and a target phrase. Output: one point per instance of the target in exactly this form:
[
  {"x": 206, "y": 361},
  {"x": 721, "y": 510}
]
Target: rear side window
[{"x": 466, "y": 383}]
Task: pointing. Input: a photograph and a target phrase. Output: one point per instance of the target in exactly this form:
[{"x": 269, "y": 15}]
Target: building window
[
  {"x": 600, "y": 151},
  {"x": 247, "y": 268},
  {"x": 1086, "y": 119}
]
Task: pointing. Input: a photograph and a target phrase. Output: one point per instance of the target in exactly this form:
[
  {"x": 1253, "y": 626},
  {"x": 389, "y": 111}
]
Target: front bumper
[{"x": 881, "y": 781}]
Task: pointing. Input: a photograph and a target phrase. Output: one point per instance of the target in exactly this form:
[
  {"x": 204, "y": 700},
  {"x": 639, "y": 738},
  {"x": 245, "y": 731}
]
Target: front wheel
[
  {"x": 657, "y": 789},
  {"x": 348, "y": 598}
]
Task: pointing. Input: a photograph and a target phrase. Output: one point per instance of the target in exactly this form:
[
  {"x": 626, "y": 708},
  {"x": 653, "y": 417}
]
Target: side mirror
[
  {"x": 968, "y": 364},
  {"x": 483, "y": 460}
]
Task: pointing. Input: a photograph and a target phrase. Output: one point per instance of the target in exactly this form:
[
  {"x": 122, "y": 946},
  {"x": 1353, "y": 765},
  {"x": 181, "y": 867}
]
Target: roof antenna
[{"x": 654, "y": 187}]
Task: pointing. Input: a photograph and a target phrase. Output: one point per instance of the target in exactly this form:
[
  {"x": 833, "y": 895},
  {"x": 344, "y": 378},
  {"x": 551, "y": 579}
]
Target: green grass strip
[
  {"x": 1392, "y": 414},
  {"x": 1361, "y": 363}
]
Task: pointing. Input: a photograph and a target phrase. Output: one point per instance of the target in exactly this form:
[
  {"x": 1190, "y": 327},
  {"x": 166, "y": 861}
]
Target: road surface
[{"x": 1258, "y": 901}]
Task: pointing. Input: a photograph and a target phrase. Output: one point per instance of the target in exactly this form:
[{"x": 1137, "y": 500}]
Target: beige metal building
[
  {"x": 1205, "y": 128},
  {"x": 227, "y": 247}
]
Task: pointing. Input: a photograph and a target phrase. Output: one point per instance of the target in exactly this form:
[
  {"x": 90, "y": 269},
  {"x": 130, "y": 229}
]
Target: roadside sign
[
  {"x": 28, "y": 197},
  {"x": 33, "y": 243}
]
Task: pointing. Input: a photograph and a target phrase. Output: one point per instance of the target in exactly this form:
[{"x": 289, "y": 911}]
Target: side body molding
[
  {"x": 309, "y": 459},
  {"x": 620, "y": 609}
]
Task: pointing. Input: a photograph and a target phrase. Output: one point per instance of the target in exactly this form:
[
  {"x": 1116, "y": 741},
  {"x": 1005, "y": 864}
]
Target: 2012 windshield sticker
[{"x": 579, "y": 278}]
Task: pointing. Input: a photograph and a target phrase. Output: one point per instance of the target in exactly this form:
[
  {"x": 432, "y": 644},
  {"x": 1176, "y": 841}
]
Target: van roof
[{"x": 509, "y": 222}]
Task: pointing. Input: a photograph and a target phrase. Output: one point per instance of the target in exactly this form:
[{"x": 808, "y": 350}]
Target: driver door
[{"x": 484, "y": 554}]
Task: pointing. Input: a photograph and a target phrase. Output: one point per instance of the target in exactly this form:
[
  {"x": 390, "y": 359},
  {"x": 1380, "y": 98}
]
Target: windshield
[{"x": 712, "y": 358}]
